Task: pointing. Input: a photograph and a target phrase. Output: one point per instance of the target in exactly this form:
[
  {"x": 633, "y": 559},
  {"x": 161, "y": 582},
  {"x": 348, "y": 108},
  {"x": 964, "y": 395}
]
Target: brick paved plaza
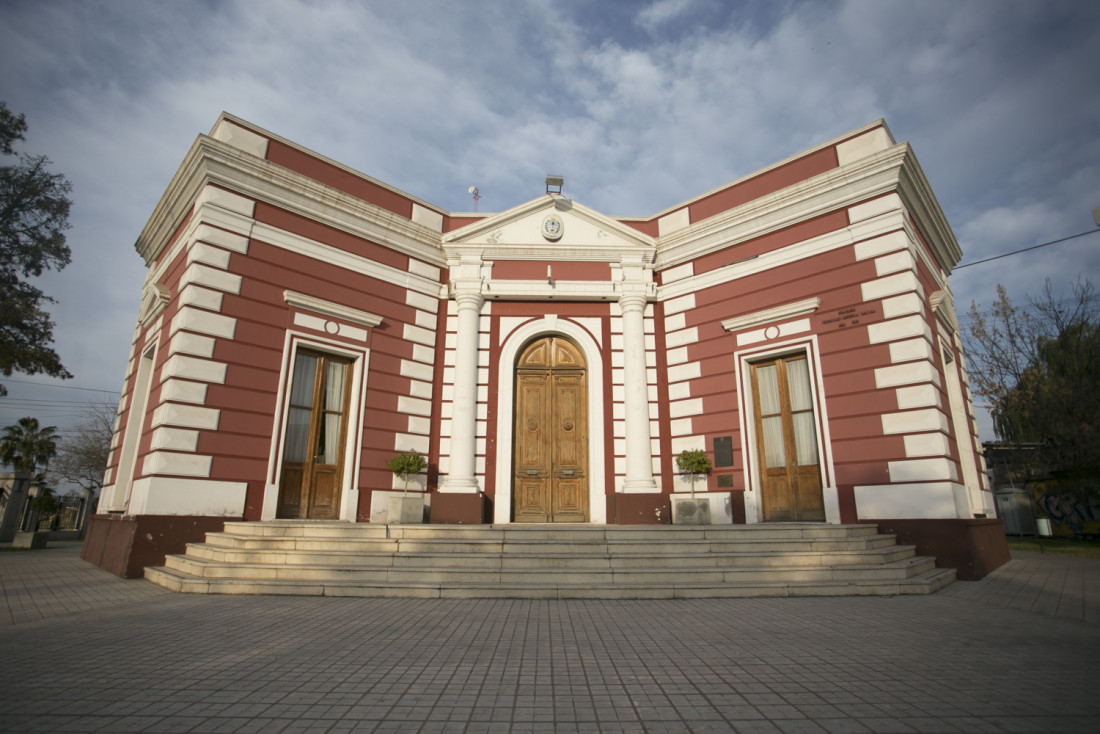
[{"x": 84, "y": 651}]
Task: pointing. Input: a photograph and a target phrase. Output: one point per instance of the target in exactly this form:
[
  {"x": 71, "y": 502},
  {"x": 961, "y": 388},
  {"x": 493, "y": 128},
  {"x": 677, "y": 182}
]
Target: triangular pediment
[{"x": 551, "y": 227}]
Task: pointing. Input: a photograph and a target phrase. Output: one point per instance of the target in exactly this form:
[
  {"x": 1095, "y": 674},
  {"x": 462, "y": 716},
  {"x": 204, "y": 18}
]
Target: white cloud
[
  {"x": 638, "y": 109},
  {"x": 657, "y": 14}
]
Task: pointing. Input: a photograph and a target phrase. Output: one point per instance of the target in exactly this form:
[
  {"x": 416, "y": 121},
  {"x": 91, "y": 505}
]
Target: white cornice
[
  {"x": 325, "y": 159},
  {"x": 328, "y": 308},
  {"x": 894, "y": 169},
  {"x": 212, "y": 162},
  {"x": 767, "y": 316},
  {"x": 778, "y": 164},
  {"x": 344, "y": 259},
  {"x": 884, "y": 224},
  {"x": 626, "y": 242},
  {"x": 824, "y": 193},
  {"x": 919, "y": 199},
  {"x": 560, "y": 290}
]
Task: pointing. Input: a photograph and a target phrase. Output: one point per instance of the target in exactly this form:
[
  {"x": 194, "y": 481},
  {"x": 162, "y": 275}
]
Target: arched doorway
[{"x": 550, "y": 433}]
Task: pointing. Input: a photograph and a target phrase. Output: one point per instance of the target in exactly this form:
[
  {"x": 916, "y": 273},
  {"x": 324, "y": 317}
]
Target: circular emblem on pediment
[{"x": 553, "y": 227}]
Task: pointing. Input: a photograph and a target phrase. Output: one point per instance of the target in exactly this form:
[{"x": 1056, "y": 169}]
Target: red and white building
[{"x": 302, "y": 322}]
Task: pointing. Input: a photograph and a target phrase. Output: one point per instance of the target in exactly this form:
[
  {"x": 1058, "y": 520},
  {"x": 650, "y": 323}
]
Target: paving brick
[{"x": 127, "y": 655}]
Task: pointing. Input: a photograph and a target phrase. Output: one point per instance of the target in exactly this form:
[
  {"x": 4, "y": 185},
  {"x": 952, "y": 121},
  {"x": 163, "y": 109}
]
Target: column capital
[
  {"x": 633, "y": 300},
  {"x": 467, "y": 294}
]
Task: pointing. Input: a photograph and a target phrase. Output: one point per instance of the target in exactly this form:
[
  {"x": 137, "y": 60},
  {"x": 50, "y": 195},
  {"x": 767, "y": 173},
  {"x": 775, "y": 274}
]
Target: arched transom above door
[{"x": 551, "y": 352}]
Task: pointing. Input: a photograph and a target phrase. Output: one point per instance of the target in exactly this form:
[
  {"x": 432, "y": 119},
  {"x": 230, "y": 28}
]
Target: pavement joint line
[{"x": 994, "y": 655}]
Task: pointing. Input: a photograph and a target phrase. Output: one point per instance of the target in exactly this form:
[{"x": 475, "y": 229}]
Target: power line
[
  {"x": 63, "y": 387},
  {"x": 1026, "y": 249}
]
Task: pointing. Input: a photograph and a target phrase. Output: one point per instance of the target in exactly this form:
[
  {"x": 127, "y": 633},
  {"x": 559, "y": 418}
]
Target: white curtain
[
  {"x": 767, "y": 381},
  {"x": 301, "y": 401},
  {"x": 334, "y": 411},
  {"x": 334, "y": 386},
  {"x": 798, "y": 384}
]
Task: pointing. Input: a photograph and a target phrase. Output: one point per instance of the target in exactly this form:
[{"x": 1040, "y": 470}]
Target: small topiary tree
[
  {"x": 693, "y": 462},
  {"x": 406, "y": 464}
]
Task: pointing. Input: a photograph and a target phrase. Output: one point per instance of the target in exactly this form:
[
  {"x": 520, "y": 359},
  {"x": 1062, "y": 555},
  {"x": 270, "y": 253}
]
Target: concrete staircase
[{"x": 553, "y": 562}]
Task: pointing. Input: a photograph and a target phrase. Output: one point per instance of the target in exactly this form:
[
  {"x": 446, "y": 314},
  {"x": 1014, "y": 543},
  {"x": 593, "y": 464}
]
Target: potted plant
[
  {"x": 691, "y": 511},
  {"x": 405, "y": 509}
]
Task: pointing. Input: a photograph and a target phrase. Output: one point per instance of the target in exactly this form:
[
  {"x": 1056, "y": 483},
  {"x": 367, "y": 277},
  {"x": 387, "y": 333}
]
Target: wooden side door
[
  {"x": 786, "y": 441},
  {"x": 316, "y": 434},
  {"x": 551, "y": 434}
]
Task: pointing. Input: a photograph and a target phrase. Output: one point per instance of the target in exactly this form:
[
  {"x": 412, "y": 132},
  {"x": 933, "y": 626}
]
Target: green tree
[
  {"x": 406, "y": 464},
  {"x": 1039, "y": 367},
  {"x": 34, "y": 214},
  {"x": 25, "y": 446},
  {"x": 693, "y": 462}
]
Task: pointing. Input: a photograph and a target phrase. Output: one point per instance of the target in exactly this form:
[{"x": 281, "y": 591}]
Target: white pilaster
[
  {"x": 463, "y": 449},
  {"x": 639, "y": 455}
]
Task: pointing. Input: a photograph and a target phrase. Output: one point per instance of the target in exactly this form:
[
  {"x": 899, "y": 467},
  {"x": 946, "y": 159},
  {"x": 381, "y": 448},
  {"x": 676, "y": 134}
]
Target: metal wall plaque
[{"x": 723, "y": 451}]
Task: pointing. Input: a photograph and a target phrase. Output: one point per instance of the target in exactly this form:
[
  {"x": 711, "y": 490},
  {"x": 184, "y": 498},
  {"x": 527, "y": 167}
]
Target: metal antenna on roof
[{"x": 473, "y": 190}]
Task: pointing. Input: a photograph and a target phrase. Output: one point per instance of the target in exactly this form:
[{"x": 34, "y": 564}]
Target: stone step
[
  {"x": 596, "y": 576},
  {"x": 332, "y": 529},
  {"x": 527, "y": 545},
  {"x": 536, "y": 561},
  {"x": 549, "y": 558},
  {"x": 925, "y": 583}
]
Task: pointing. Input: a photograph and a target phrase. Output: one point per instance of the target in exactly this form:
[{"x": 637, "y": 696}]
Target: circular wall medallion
[
  {"x": 332, "y": 327},
  {"x": 553, "y": 228},
  {"x": 771, "y": 332}
]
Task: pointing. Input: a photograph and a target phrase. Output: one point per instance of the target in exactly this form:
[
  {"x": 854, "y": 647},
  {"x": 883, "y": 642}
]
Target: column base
[
  {"x": 460, "y": 509},
  {"x": 651, "y": 508}
]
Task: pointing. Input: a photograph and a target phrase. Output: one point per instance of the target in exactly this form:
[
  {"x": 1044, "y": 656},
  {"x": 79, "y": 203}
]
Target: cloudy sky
[{"x": 639, "y": 105}]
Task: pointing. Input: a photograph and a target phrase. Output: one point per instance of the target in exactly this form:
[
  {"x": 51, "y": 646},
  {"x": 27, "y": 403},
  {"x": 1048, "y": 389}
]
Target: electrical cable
[{"x": 1026, "y": 249}]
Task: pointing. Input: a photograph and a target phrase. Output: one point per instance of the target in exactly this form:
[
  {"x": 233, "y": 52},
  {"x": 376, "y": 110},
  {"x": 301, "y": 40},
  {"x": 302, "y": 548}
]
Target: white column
[
  {"x": 639, "y": 454},
  {"x": 461, "y": 477}
]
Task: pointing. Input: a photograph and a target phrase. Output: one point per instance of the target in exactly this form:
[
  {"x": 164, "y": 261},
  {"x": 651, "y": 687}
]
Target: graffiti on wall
[{"x": 1073, "y": 506}]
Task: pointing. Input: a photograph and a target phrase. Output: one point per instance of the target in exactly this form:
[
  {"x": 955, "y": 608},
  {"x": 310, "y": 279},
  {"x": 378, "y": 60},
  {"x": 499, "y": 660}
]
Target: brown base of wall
[
  {"x": 638, "y": 509},
  {"x": 973, "y": 548},
  {"x": 459, "y": 509},
  {"x": 125, "y": 544}
]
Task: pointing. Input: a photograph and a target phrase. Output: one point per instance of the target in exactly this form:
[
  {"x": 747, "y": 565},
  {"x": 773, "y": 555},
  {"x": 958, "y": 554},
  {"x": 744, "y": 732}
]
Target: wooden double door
[
  {"x": 786, "y": 440},
  {"x": 316, "y": 434},
  {"x": 551, "y": 434}
]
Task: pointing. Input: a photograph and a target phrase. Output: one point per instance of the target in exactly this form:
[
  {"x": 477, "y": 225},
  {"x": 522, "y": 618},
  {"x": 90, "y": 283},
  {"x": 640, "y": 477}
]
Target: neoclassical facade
[{"x": 302, "y": 322}]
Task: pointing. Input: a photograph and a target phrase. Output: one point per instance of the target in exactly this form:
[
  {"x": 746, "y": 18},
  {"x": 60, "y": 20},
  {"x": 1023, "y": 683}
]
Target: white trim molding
[
  {"x": 328, "y": 308},
  {"x": 770, "y": 315},
  {"x": 349, "y": 489},
  {"x": 516, "y": 340},
  {"x": 744, "y": 358}
]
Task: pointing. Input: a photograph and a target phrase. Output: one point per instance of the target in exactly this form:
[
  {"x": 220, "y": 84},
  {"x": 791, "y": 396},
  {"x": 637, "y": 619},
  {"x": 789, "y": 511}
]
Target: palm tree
[{"x": 24, "y": 446}]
